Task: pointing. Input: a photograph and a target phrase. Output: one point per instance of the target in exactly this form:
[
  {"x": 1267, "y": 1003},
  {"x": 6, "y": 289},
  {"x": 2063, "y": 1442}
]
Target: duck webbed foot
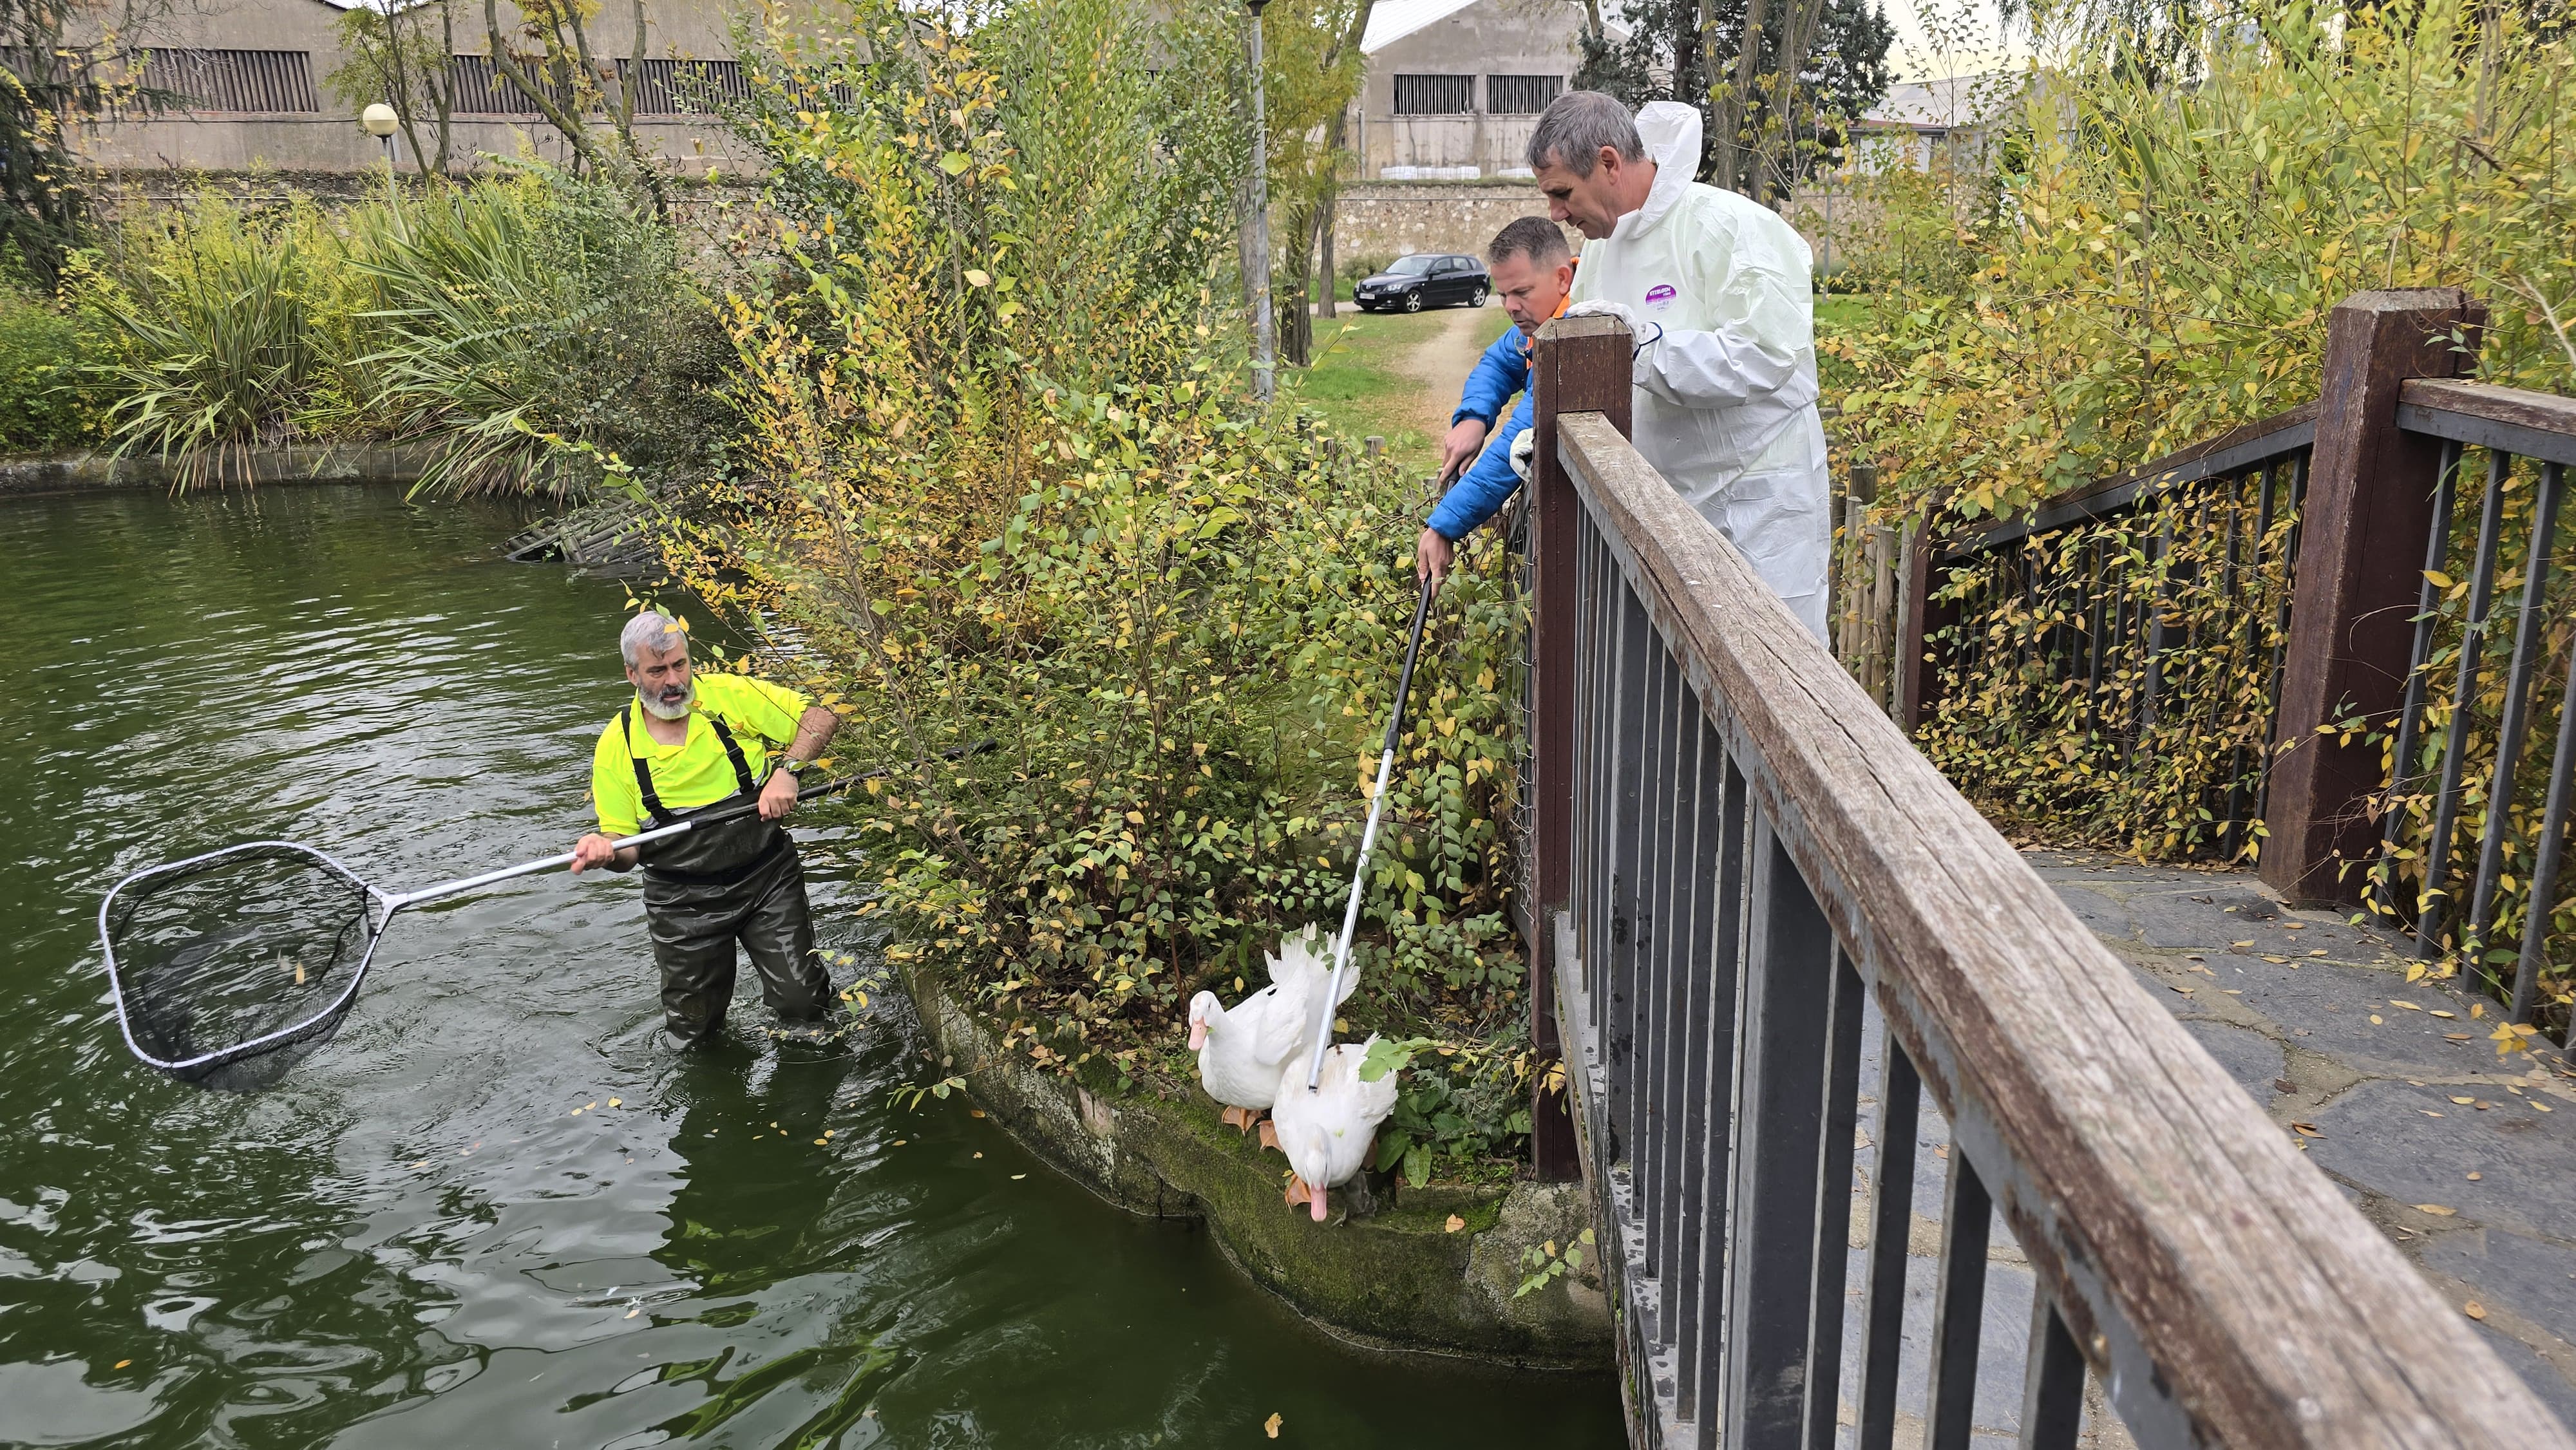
[
  {"x": 1269, "y": 1134},
  {"x": 1239, "y": 1119}
]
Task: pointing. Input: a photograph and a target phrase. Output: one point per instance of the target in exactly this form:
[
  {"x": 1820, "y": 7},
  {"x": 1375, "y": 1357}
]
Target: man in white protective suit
[{"x": 1717, "y": 289}]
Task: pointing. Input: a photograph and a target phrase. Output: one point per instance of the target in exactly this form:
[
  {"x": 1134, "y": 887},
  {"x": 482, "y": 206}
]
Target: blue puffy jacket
[{"x": 1489, "y": 481}]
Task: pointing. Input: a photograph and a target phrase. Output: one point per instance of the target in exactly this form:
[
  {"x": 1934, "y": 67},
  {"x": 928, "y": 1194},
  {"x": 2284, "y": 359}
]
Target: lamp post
[
  {"x": 381, "y": 121},
  {"x": 1265, "y": 337}
]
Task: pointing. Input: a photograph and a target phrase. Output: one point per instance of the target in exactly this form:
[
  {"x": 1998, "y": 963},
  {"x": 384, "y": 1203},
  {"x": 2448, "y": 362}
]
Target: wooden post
[
  {"x": 2361, "y": 547},
  {"x": 1581, "y": 366},
  {"x": 1918, "y": 681}
]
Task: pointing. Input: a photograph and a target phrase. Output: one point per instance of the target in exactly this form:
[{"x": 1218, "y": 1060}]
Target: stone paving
[
  {"x": 2466, "y": 1160},
  {"x": 2315, "y": 1019}
]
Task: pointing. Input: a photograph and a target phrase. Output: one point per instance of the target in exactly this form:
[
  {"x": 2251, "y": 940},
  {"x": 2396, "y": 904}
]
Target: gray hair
[
  {"x": 653, "y": 630},
  {"x": 1574, "y": 128},
  {"x": 1534, "y": 237}
]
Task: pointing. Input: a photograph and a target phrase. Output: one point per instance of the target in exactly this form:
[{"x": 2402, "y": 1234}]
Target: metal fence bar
[
  {"x": 2052, "y": 1391},
  {"x": 1844, "y": 1010},
  {"x": 1958, "y": 1306},
  {"x": 1703, "y": 1337},
  {"x": 1779, "y": 1114},
  {"x": 2446, "y": 810},
  {"x": 2410, "y": 714},
  {"x": 1891, "y": 1225},
  {"x": 2530, "y": 616}
]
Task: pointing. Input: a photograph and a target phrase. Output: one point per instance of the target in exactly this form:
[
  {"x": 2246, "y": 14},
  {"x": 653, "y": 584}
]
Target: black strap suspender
[{"x": 644, "y": 773}]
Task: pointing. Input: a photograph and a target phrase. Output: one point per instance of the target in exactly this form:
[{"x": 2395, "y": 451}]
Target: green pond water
[{"x": 413, "y": 1241}]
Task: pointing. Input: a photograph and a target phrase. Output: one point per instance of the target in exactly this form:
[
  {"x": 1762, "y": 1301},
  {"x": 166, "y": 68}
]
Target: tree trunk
[
  {"x": 1332, "y": 277},
  {"x": 510, "y": 70},
  {"x": 1776, "y": 152},
  {"x": 1296, "y": 326},
  {"x": 1733, "y": 172}
]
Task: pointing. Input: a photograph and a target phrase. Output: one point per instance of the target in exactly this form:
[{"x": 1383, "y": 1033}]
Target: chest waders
[{"x": 709, "y": 889}]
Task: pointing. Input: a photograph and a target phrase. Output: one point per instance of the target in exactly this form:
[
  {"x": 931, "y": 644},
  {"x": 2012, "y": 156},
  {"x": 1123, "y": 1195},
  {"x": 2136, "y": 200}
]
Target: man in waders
[{"x": 686, "y": 743}]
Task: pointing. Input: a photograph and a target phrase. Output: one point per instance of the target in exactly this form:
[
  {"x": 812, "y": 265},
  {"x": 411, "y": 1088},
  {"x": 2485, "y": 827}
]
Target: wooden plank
[
  {"x": 2361, "y": 553},
  {"x": 2534, "y": 425},
  {"x": 1581, "y": 364},
  {"x": 2226, "y": 1290},
  {"x": 2229, "y": 452}
]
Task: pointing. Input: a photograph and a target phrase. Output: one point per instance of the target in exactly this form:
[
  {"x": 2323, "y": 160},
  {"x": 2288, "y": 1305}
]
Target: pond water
[{"x": 413, "y": 1241}]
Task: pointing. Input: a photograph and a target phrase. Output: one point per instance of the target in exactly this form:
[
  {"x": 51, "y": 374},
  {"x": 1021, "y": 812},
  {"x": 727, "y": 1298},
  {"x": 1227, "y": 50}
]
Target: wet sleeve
[
  {"x": 1487, "y": 484},
  {"x": 1757, "y": 299},
  {"x": 612, "y": 786},
  {"x": 1501, "y": 372}
]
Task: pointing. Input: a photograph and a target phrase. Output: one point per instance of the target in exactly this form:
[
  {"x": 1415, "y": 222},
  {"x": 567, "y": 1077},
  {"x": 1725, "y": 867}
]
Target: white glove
[
  {"x": 1525, "y": 452},
  {"x": 1603, "y": 307},
  {"x": 1642, "y": 344}
]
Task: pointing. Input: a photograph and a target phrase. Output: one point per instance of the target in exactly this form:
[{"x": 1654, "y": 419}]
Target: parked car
[{"x": 1425, "y": 279}]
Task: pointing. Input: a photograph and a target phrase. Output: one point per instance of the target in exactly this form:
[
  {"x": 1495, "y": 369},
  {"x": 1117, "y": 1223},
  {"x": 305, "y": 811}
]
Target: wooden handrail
[
  {"x": 2534, "y": 425},
  {"x": 2227, "y": 1293}
]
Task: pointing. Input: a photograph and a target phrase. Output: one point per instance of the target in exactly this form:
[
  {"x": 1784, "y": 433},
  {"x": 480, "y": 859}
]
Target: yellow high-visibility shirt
[{"x": 695, "y": 772}]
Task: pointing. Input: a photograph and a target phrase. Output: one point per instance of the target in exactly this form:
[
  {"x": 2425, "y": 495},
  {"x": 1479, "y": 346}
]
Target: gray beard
[{"x": 661, "y": 711}]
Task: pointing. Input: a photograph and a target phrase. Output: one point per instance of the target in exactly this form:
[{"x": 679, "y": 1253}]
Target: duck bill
[
  {"x": 1198, "y": 1035},
  {"x": 1315, "y": 1205}
]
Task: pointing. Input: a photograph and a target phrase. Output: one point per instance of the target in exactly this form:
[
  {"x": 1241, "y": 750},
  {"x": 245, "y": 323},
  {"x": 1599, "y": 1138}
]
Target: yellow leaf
[
  {"x": 1453, "y": 1224},
  {"x": 2435, "y": 1209},
  {"x": 2438, "y": 1012},
  {"x": 2474, "y": 1309},
  {"x": 1270, "y": 1427},
  {"x": 976, "y": 277},
  {"x": 2438, "y": 579},
  {"x": 2464, "y": 1102}
]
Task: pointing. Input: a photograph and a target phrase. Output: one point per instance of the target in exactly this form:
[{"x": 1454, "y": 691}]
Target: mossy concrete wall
[{"x": 1384, "y": 1270}]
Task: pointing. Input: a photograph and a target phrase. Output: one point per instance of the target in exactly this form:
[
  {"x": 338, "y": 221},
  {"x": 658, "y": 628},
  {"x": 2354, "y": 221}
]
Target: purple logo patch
[{"x": 1660, "y": 295}]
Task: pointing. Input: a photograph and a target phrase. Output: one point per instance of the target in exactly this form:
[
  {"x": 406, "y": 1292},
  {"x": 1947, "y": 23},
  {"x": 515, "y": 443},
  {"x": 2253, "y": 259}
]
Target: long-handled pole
[
  {"x": 394, "y": 903},
  {"x": 1368, "y": 839}
]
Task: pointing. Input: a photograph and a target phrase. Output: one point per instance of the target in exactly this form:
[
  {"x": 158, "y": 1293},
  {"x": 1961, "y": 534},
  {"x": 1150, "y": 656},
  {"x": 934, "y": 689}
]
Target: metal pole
[{"x": 1265, "y": 338}]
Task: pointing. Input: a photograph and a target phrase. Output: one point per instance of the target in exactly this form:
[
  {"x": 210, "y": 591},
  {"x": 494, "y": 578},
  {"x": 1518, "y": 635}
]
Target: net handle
[{"x": 392, "y": 902}]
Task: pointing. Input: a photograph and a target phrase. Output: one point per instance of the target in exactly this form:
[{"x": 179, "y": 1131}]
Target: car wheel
[
  {"x": 1413, "y": 300},
  {"x": 1477, "y": 298}
]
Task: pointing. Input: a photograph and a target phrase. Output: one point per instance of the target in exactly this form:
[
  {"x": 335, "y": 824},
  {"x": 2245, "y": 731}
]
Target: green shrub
[
  {"x": 219, "y": 310},
  {"x": 537, "y": 330},
  {"x": 998, "y": 480},
  {"x": 49, "y": 400}
]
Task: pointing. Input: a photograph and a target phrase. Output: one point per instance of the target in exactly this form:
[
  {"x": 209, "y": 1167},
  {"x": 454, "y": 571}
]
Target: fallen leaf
[
  {"x": 2438, "y": 1012},
  {"x": 974, "y": 1112},
  {"x": 2544, "y": 1107},
  {"x": 1016, "y": 1177},
  {"x": 2321, "y": 951},
  {"x": 2428, "y": 1112},
  {"x": 2283, "y": 1084},
  {"x": 2435, "y": 1209},
  {"x": 2309, "y": 1129},
  {"x": 2249, "y": 941},
  {"x": 1453, "y": 1224},
  {"x": 1270, "y": 1427},
  {"x": 2270, "y": 958},
  {"x": 638, "y": 1309},
  {"x": 822, "y": 1142},
  {"x": 2474, "y": 1309},
  {"x": 2464, "y": 1102},
  {"x": 122, "y": 1363},
  {"x": 2409, "y": 1006},
  {"x": 2474, "y": 1177},
  {"x": 2456, "y": 1036},
  {"x": 2374, "y": 1019},
  {"x": 2178, "y": 987},
  {"x": 586, "y": 1107},
  {"x": 617, "y": 1102}
]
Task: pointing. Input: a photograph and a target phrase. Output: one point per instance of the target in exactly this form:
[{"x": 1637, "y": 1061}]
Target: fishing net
[{"x": 229, "y": 968}]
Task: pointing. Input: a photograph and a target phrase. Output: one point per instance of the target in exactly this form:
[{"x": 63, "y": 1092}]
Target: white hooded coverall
[{"x": 1719, "y": 288}]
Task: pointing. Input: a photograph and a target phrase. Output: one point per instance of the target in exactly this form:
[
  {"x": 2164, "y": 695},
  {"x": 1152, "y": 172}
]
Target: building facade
[
  {"x": 1454, "y": 87},
  {"x": 252, "y": 82}
]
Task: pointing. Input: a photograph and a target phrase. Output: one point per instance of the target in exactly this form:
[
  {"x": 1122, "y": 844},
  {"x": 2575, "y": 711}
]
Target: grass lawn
[{"x": 1363, "y": 380}]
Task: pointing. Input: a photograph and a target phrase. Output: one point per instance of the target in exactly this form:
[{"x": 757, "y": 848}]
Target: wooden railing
[{"x": 1740, "y": 862}]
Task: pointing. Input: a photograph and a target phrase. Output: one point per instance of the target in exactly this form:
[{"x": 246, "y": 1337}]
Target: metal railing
[
  {"x": 1738, "y": 860},
  {"x": 2460, "y": 741},
  {"x": 2149, "y": 610}
]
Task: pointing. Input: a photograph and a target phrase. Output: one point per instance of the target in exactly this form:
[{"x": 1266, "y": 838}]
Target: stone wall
[{"x": 1378, "y": 220}]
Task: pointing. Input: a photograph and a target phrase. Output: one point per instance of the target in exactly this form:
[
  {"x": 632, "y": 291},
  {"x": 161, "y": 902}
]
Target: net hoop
[{"x": 208, "y": 1061}]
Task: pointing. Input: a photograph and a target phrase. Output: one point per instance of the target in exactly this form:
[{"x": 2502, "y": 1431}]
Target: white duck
[
  {"x": 1244, "y": 1048},
  {"x": 1328, "y": 1131}
]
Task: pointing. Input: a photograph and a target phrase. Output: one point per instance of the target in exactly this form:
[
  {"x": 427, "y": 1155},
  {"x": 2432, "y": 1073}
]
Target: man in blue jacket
[{"x": 1533, "y": 270}]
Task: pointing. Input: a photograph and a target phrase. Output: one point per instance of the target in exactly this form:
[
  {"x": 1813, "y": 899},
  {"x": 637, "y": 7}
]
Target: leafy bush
[
  {"x": 49, "y": 401},
  {"x": 535, "y": 328},
  {"x": 538, "y": 330},
  {"x": 2163, "y": 257},
  {"x": 1000, "y": 482},
  {"x": 226, "y": 348}
]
